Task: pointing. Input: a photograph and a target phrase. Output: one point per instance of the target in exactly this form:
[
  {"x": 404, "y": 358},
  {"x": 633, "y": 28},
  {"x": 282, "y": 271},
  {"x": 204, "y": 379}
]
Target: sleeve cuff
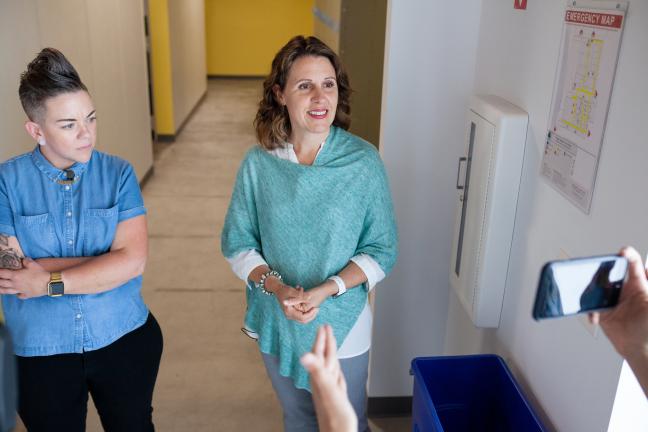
[
  {"x": 7, "y": 230},
  {"x": 371, "y": 269},
  {"x": 246, "y": 261},
  {"x": 131, "y": 213}
]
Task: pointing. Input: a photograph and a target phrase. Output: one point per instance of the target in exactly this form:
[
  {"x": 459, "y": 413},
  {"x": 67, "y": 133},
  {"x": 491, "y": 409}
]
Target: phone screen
[{"x": 578, "y": 285}]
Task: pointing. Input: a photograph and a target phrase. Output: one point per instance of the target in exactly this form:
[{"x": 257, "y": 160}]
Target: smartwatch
[{"x": 55, "y": 286}]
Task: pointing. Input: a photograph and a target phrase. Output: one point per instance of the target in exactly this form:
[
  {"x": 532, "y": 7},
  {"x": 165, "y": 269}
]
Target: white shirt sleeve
[
  {"x": 370, "y": 268},
  {"x": 246, "y": 261}
]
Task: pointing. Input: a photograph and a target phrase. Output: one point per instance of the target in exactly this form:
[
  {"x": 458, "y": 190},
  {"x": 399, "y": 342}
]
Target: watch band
[
  {"x": 55, "y": 286},
  {"x": 341, "y": 285}
]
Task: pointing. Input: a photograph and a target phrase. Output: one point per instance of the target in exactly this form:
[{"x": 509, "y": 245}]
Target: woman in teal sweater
[{"x": 310, "y": 227}]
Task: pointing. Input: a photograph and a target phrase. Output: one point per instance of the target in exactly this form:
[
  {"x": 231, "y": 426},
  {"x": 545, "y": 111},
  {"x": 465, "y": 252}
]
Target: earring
[{"x": 41, "y": 141}]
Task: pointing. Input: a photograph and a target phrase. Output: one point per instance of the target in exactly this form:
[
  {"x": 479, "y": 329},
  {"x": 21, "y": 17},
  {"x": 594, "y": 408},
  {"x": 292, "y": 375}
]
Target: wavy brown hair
[{"x": 272, "y": 123}]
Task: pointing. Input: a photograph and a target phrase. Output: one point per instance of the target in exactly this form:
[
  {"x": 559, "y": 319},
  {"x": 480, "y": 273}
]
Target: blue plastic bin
[{"x": 468, "y": 393}]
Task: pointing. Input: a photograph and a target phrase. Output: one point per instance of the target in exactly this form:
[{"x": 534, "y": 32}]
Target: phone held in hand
[{"x": 579, "y": 285}]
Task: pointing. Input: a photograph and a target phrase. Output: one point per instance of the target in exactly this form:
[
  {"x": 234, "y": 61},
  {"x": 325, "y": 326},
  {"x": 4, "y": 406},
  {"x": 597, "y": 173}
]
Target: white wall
[
  {"x": 105, "y": 43},
  {"x": 120, "y": 91},
  {"x": 431, "y": 68},
  {"x": 573, "y": 375},
  {"x": 14, "y": 56},
  {"x": 428, "y": 75},
  {"x": 188, "y": 56}
]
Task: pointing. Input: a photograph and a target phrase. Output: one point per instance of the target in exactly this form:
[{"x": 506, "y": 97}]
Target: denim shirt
[{"x": 53, "y": 220}]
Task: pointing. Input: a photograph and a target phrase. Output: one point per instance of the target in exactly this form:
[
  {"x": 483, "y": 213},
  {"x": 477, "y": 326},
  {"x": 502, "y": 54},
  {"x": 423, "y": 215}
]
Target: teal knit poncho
[{"x": 308, "y": 222}]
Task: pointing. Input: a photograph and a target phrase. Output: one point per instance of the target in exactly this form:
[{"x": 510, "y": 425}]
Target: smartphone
[{"x": 579, "y": 285}]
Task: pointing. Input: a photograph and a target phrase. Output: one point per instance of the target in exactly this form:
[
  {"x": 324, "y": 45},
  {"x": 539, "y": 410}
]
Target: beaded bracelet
[{"x": 266, "y": 275}]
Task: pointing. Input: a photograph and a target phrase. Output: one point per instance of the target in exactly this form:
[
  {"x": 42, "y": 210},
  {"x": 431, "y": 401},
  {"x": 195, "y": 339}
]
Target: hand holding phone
[
  {"x": 627, "y": 324},
  {"x": 579, "y": 285}
]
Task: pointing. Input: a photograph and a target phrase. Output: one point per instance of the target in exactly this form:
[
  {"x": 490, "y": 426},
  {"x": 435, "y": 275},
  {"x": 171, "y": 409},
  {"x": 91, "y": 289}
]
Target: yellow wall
[
  {"x": 243, "y": 36},
  {"x": 161, "y": 64}
]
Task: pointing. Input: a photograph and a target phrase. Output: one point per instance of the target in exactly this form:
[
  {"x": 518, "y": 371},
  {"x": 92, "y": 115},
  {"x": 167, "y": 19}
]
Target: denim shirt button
[
  {"x": 78, "y": 316},
  {"x": 70, "y": 242},
  {"x": 67, "y": 187},
  {"x": 69, "y": 214}
]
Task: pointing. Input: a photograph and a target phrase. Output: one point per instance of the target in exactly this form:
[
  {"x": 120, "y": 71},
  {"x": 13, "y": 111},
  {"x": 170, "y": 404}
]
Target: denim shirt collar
[{"x": 53, "y": 173}]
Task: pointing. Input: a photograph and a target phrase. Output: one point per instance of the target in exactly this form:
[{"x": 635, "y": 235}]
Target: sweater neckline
[{"x": 320, "y": 159}]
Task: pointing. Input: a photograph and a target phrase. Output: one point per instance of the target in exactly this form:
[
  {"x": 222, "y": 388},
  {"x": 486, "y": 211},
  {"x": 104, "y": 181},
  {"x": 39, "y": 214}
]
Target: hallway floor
[{"x": 211, "y": 376}]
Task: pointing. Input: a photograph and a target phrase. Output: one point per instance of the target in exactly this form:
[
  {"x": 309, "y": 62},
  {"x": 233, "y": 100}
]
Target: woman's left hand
[
  {"x": 314, "y": 297},
  {"x": 29, "y": 282}
]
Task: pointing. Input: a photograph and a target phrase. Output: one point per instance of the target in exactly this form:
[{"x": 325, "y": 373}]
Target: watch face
[{"x": 55, "y": 289}]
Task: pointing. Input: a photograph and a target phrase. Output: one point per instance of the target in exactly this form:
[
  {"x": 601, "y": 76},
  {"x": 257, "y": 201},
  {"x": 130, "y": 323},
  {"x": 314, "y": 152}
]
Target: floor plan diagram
[{"x": 582, "y": 88}]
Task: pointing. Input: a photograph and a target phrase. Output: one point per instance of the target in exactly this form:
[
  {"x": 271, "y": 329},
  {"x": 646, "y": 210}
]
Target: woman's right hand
[{"x": 287, "y": 296}]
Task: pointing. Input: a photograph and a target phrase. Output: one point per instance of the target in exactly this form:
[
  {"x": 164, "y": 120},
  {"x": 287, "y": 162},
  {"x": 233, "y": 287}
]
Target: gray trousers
[{"x": 297, "y": 404}]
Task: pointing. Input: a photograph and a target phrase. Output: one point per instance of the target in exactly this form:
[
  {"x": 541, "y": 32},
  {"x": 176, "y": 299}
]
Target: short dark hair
[
  {"x": 48, "y": 75},
  {"x": 272, "y": 124}
]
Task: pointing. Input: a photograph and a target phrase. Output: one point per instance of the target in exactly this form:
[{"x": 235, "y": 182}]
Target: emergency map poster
[{"x": 588, "y": 57}]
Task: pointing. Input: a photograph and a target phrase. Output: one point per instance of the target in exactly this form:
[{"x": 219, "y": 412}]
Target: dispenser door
[{"x": 472, "y": 192}]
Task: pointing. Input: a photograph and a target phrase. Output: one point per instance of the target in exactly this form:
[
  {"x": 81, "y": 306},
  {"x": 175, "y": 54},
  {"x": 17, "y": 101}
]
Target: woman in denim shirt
[{"x": 73, "y": 246}]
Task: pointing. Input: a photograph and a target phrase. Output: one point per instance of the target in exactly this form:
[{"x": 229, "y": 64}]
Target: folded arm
[
  {"x": 126, "y": 260},
  {"x": 84, "y": 275},
  {"x": 11, "y": 254},
  {"x": 60, "y": 264}
]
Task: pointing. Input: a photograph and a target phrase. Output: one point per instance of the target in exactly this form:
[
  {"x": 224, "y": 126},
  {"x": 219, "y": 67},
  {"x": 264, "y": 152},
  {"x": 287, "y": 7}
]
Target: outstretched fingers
[{"x": 330, "y": 352}]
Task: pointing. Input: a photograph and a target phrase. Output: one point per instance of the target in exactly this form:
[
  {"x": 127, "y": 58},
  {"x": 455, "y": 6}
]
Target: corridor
[
  {"x": 211, "y": 376},
  {"x": 421, "y": 72}
]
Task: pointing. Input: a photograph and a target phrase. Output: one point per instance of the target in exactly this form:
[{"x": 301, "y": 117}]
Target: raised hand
[
  {"x": 334, "y": 411},
  {"x": 626, "y": 325}
]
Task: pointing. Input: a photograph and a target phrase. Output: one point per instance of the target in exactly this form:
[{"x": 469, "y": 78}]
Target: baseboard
[
  {"x": 147, "y": 177},
  {"x": 398, "y": 406},
  {"x": 192, "y": 112},
  {"x": 165, "y": 137},
  {"x": 172, "y": 137}
]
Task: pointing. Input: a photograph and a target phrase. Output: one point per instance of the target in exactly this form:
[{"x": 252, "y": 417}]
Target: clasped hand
[
  {"x": 300, "y": 305},
  {"x": 27, "y": 282}
]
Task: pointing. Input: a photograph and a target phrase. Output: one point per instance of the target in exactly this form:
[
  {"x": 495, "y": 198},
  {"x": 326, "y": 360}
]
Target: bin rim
[{"x": 417, "y": 373}]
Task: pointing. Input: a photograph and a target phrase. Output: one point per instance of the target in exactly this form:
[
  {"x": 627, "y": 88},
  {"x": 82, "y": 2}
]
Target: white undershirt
[{"x": 358, "y": 341}]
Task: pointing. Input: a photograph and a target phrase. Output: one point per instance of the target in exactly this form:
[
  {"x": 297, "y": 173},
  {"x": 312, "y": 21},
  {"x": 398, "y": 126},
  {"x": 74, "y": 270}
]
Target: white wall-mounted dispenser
[{"x": 488, "y": 181}]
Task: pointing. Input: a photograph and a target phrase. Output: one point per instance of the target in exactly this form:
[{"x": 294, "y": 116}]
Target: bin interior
[{"x": 472, "y": 393}]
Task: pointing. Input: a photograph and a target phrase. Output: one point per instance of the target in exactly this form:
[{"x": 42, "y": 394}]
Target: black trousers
[{"x": 53, "y": 390}]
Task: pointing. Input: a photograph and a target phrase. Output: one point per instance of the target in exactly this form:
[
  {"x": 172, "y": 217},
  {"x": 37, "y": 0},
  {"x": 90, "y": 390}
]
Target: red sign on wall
[
  {"x": 519, "y": 4},
  {"x": 594, "y": 18}
]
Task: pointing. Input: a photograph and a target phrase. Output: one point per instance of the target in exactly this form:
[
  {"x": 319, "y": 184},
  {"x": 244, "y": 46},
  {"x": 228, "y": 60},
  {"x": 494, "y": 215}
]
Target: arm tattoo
[{"x": 9, "y": 258}]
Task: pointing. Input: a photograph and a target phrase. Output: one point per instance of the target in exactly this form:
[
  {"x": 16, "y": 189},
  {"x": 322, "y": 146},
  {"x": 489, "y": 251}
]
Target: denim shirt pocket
[
  {"x": 99, "y": 227},
  {"x": 37, "y": 236}
]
